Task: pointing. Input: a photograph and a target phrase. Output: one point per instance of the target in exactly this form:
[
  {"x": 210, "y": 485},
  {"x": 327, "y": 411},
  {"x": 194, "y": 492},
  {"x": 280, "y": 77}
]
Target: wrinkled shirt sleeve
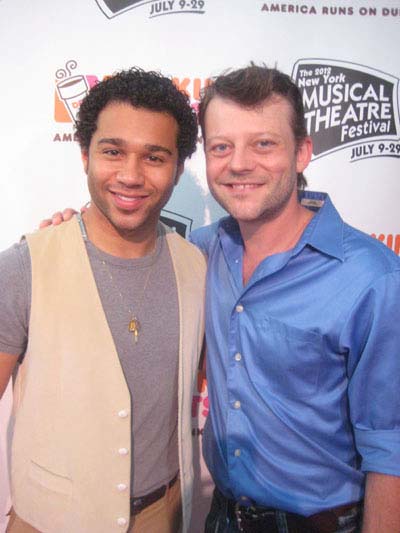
[{"x": 372, "y": 337}]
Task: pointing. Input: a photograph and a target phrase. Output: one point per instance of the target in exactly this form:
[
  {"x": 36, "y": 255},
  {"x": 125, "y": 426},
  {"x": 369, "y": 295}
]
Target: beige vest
[{"x": 72, "y": 404}]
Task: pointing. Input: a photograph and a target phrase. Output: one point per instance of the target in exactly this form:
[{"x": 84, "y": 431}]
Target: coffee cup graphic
[{"x": 72, "y": 91}]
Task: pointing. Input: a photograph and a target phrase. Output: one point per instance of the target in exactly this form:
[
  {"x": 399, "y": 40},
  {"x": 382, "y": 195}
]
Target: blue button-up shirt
[{"x": 303, "y": 365}]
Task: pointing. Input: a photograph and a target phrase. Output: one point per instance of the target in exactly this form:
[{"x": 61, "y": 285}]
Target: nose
[
  {"x": 241, "y": 161},
  {"x": 130, "y": 173}
]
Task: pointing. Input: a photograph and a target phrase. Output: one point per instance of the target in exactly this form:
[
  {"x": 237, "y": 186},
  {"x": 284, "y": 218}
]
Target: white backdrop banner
[{"x": 343, "y": 56}]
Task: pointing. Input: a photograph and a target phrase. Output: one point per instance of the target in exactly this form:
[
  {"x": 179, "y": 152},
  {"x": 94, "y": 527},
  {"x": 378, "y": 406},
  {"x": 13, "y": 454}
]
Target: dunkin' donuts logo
[
  {"x": 349, "y": 106},
  {"x": 70, "y": 90},
  {"x": 113, "y": 8}
]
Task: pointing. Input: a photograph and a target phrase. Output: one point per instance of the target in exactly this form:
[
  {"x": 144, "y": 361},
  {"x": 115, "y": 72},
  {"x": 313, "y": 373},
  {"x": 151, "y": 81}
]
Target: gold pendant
[{"x": 134, "y": 327}]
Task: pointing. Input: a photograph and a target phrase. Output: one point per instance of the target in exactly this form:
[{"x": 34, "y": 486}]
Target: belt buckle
[
  {"x": 251, "y": 514},
  {"x": 238, "y": 516},
  {"x": 248, "y": 514}
]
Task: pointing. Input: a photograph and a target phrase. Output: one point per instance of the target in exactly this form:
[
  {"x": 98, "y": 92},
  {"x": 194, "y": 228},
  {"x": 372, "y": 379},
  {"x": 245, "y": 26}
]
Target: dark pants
[{"x": 223, "y": 518}]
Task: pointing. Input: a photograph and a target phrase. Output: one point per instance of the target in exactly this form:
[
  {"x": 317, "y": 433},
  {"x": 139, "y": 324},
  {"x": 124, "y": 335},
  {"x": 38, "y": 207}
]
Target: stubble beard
[
  {"x": 112, "y": 217},
  {"x": 268, "y": 209}
]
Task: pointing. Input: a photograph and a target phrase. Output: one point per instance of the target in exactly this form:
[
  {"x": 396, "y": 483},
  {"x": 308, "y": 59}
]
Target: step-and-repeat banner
[{"x": 344, "y": 56}]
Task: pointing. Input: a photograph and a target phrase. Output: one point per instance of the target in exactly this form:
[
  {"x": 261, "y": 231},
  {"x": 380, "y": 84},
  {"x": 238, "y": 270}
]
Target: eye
[
  {"x": 219, "y": 149},
  {"x": 112, "y": 152},
  {"x": 264, "y": 143},
  {"x": 154, "y": 158}
]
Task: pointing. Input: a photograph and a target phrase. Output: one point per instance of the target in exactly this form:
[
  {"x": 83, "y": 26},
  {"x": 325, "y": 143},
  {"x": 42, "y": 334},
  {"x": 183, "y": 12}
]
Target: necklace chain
[{"x": 134, "y": 325}]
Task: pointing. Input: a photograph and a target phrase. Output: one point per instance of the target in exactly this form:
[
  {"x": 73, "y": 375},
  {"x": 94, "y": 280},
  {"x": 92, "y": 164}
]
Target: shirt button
[
  {"x": 123, "y": 451},
  {"x": 237, "y": 452},
  {"x": 238, "y": 356},
  {"x": 237, "y": 404},
  {"x": 239, "y": 308},
  {"x": 121, "y": 487},
  {"x": 123, "y": 413},
  {"x": 121, "y": 521}
]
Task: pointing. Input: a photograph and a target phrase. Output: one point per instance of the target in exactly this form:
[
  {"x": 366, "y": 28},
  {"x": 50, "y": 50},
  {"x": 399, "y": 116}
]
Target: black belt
[
  {"x": 138, "y": 504},
  {"x": 254, "y": 518}
]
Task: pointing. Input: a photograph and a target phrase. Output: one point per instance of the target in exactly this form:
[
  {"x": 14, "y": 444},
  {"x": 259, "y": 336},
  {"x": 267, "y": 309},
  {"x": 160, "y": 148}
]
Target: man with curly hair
[{"x": 105, "y": 315}]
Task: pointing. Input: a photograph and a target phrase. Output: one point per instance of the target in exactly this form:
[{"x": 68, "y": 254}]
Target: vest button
[
  {"x": 122, "y": 521},
  {"x": 123, "y": 413},
  {"x": 123, "y": 451}
]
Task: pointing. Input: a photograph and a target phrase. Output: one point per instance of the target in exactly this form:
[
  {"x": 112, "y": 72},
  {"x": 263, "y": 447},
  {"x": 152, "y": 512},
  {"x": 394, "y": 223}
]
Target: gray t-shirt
[{"x": 150, "y": 365}]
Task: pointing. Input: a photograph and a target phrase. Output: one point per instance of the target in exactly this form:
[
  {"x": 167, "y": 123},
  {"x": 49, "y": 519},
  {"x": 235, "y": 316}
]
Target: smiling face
[
  {"x": 132, "y": 167},
  {"x": 252, "y": 158}
]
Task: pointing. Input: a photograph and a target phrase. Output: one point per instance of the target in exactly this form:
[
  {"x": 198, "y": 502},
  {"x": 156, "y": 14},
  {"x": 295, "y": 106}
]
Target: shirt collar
[
  {"x": 228, "y": 226},
  {"x": 324, "y": 233}
]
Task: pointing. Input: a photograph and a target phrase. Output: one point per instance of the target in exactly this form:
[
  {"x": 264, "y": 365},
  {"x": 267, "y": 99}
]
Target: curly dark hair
[
  {"x": 250, "y": 87},
  {"x": 149, "y": 90}
]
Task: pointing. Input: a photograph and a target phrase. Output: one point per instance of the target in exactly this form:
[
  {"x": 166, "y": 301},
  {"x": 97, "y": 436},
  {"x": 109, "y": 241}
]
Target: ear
[
  {"x": 179, "y": 170},
  {"x": 85, "y": 159},
  {"x": 304, "y": 154}
]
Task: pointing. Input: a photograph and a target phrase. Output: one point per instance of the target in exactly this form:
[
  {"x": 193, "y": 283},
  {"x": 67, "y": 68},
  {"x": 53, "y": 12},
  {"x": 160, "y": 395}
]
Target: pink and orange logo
[{"x": 71, "y": 89}]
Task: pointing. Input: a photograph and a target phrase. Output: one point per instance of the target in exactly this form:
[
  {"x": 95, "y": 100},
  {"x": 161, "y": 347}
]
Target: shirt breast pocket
[{"x": 287, "y": 359}]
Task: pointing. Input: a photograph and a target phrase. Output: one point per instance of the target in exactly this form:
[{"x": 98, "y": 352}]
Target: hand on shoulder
[{"x": 61, "y": 216}]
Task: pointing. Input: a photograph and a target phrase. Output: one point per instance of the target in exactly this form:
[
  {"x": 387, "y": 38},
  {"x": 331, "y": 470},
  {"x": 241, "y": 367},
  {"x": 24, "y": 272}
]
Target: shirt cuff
[{"x": 379, "y": 450}]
